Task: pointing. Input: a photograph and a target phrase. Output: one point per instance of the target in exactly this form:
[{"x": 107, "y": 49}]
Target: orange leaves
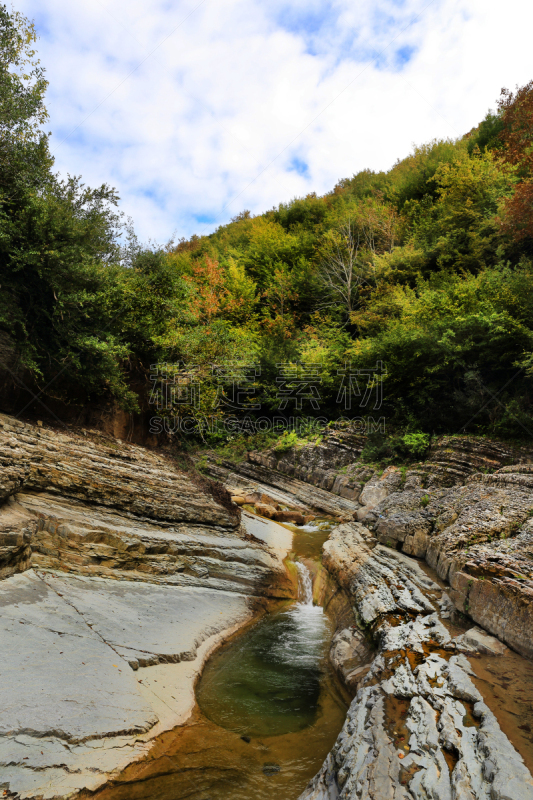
[
  {"x": 517, "y": 136},
  {"x": 209, "y": 289},
  {"x": 219, "y": 291}
]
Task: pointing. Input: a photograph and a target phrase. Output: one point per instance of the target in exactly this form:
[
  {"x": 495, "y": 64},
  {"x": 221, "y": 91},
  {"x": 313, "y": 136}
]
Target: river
[{"x": 268, "y": 707}]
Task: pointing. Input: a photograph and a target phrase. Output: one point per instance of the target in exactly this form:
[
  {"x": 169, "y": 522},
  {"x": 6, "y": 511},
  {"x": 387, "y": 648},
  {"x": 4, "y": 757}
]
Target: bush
[
  {"x": 287, "y": 442},
  {"x": 380, "y": 449},
  {"x": 414, "y": 444}
]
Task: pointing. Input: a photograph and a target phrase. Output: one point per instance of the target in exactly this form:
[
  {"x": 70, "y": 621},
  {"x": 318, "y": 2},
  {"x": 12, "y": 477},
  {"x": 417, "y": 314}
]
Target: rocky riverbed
[
  {"x": 418, "y": 726},
  {"x": 120, "y": 574}
]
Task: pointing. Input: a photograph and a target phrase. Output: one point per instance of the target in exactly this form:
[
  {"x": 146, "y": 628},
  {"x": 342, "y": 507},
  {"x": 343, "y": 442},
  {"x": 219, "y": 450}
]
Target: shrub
[
  {"x": 415, "y": 444},
  {"x": 287, "y": 442}
]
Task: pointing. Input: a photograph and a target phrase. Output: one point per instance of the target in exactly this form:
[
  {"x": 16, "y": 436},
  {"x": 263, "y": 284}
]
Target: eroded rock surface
[
  {"x": 467, "y": 510},
  {"x": 120, "y": 575},
  {"x": 479, "y": 537},
  {"x": 417, "y": 727}
]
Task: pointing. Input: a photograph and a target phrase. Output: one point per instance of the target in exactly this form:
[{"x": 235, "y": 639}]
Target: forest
[{"x": 403, "y": 294}]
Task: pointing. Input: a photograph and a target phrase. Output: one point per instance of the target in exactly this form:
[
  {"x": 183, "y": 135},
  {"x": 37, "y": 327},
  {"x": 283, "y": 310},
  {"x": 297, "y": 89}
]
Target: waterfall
[{"x": 305, "y": 585}]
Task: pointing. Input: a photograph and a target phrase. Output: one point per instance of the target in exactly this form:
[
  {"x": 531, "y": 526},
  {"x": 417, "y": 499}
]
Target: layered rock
[
  {"x": 333, "y": 467},
  {"x": 319, "y": 476},
  {"x": 121, "y": 574},
  {"x": 467, "y": 510},
  {"x": 479, "y": 537},
  {"x": 105, "y": 472},
  {"x": 417, "y": 727}
]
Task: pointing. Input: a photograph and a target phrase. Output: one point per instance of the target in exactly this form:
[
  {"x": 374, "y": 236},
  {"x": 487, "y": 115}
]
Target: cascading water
[
  {"x": 271, "y": 683},
  {"x": 305, "y": 585},
  {"x": 269, "y": 711}
]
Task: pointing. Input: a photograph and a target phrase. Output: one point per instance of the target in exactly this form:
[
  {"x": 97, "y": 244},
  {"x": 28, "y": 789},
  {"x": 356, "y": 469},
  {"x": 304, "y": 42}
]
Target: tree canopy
[{"x": 425, "y": 268}]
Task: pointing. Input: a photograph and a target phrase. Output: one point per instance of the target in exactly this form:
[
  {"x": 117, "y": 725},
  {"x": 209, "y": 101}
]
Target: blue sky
[{"x": 197, "y": 109}]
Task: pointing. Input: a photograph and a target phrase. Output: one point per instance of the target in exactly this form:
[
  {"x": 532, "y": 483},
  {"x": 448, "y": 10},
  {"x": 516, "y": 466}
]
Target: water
[
  {"x": 268, "y": 710},
  {"x": 268, "y": 681},
  {"x": 308, "y": 539},
  {"x": 305, "y": 585}
]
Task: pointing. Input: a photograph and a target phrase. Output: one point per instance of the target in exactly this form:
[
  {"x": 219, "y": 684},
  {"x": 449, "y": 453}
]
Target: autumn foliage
[
  {"x": 426, "y": 268},
  {"x": 517, "y": 136}
]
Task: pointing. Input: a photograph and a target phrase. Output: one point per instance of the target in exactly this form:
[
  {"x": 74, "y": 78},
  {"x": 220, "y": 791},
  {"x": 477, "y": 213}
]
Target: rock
[
  {"x": 112, "y": 474},
  {"x": 479, "y": 538},
  {"x": 73, "y": 708},
  {"x": 380, "y": 486},
  {"x": 416, "y": 704},
  {"x": 362, "y": 513},
  {"x": 265, "y": 510},
  {"x": 291, "y": 516},
  {"x": 271, "y": 769},
  {"x": 66, "y": 536},
  {"x": 478, "y": 641},
  {"x": 350, "y": 654},
  {"x": 474, "y": 528},
  {"x": 238, "y": 500},
  {"x": 120, "y": 575},
  {"x": 284, "y": 489}
]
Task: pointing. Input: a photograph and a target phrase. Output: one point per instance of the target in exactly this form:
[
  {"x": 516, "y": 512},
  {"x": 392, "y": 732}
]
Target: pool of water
[
  {"x": 268, "y": 681},
  {"x": 308, "y": 539},
  {"x": 268, "y": 709}
]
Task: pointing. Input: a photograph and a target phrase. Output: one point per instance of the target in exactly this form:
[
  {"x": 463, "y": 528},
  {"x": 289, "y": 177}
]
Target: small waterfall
[{"x": 305, "y": 585}]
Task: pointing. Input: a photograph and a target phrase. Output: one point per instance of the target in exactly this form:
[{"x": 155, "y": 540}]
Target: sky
[{"x": 198, "y": 109}]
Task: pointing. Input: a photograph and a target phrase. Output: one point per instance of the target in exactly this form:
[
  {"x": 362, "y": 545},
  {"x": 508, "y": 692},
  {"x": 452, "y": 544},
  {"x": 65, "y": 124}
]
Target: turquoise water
[
  {"x": 268, "y": 681},
  {"x": 268, "y": 712}
]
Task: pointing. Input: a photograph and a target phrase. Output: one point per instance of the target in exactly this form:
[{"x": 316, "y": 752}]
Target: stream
[{"x": 268, "y": 710}]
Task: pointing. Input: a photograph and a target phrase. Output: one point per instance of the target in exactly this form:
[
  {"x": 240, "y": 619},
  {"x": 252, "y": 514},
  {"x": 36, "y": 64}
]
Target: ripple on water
[
  {"x": 268, "y": 711},
  {"x": 267, "y": 682}
]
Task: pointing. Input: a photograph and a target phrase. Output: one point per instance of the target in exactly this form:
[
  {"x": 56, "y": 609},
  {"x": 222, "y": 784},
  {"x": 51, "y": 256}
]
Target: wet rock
[
  {"x": 265, "y": 510},
  {"x": 292, "y": 516},
  {"x": 271, "y": 769}
]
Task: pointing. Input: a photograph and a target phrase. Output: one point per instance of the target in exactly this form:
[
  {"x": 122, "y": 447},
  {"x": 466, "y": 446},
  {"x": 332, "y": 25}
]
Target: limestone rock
[
  {"x": 380, "y": 486},
  {"x": 120, "y": 476},
  {"x": 417, "y": 727},
  {"x": 477, "y": 640},
  {"x": 130, "y": 572},
  {"x": 71, "y": 706},
  {"x": 350, "y": 654}
]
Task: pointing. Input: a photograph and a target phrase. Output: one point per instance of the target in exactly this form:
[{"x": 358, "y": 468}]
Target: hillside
[{"x": 403, "y": 293}]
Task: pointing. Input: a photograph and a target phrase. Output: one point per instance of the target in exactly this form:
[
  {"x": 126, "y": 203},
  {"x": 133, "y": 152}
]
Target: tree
[
  {"x": 22, "y": 82},
  {"x": 347, "y": 252},
  {"x": 340, "y": 269},
  {"x": 517, "y": 135}
]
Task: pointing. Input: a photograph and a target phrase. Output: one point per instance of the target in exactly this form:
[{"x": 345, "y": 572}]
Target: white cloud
[{"x": 196, "y": 110}]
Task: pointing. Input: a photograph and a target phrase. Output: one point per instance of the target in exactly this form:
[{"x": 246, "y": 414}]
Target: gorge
[{"x": 122, "y": 574}]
